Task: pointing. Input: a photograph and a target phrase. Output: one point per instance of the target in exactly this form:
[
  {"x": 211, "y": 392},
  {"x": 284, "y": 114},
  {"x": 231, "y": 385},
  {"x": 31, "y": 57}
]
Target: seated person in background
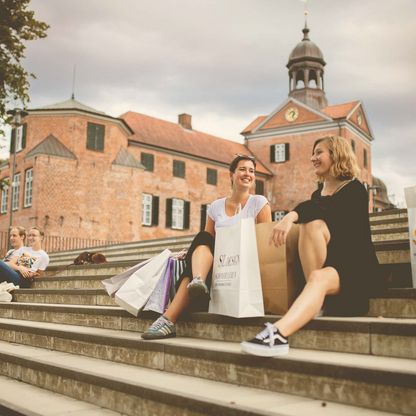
[
  {"x": 27, "y": 262},
  {"x": 196, "y": 279},
  {"x": 17, "y": 240},
  {"x": 335, "y": 248}
]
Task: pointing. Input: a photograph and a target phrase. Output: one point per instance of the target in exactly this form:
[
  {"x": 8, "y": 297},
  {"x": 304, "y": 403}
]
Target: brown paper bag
[{"x": 281, "y": 273}]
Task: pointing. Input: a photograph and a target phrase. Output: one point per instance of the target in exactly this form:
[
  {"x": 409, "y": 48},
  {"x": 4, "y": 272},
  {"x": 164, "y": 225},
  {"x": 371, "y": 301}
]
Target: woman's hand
[
  {"x": 25, "y": 272},
  {"x": 281, "y": 229}
]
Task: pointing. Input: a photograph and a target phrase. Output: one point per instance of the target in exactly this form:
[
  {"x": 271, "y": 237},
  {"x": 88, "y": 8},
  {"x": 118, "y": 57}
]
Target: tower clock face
[{"x": 291, "y": 114}]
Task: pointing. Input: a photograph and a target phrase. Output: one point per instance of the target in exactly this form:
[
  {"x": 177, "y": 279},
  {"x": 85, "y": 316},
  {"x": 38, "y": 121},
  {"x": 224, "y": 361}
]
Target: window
[
  {"x": 95, "y": 137},
  {"x": 353, "y": 145},
  {"x": 178, "y": 168},
  {"x": 177, "y": 214},
  {"x": 204, "y": 210},
  {"x": 211, "y": 176},
  {"x": 4, "y": 198},
  {"x": 365, "y": 158},
  {"x": 148, "y": 161},
  {"x": 279, "y": 152},
  {"x": 150, "y": 210},
  {"x": 18, "y": 138},
  {"x": 16, "y": 192},
  {"x": 28, "y": 188},
  {"x": 259, "y": 187},
  {"x": 278, "y": 215}
]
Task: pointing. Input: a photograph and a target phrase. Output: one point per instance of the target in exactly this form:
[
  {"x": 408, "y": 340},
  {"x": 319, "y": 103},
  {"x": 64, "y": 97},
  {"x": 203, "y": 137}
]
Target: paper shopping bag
[
  {"x": 236, "y": 285},
  {"x": 281, "y": 273},
  {"x": 114, "y": 283},
  {"x": 140, "y": 285},
  {"x": 159, "y": 299}
]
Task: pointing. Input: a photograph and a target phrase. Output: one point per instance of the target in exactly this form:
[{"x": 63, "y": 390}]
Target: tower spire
[{"x": 74, "y": 72}]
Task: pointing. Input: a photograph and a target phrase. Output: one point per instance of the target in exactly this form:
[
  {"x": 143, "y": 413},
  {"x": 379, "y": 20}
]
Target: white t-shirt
[
  {"x": 253, "y": 206},
  {"x": 33, "y": 260}
]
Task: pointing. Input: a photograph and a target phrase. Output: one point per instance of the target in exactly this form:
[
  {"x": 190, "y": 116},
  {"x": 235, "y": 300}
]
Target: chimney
[{"x": 185, "y": 120}]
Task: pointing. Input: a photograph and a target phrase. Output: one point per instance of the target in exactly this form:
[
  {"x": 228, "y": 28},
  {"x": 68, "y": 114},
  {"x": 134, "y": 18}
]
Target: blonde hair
[
  {"x": 20, "y": 230},
  {"x": 344, "y": 162}
]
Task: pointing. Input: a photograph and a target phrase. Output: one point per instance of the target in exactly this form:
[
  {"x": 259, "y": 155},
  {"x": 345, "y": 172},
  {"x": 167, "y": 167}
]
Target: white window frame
[
  {"x": 4, "y": 199},
  {"x": 16, "y": 192},
  {"x": 280, "y": 152},
  {"x": 147, "y": 206},
  {"x": 28, "y": 188},
  {"x": 278, "y": 215},
  {"x": 178, "y": 214},
  {"x": 18, "y": 140}
]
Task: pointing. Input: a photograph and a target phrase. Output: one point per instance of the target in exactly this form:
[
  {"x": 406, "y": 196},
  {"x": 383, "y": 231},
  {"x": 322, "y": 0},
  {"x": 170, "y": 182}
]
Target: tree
[{"x": 17, "y": 25}]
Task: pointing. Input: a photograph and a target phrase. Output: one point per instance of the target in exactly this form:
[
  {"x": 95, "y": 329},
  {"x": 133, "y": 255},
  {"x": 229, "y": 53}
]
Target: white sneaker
[
  {"x": 8, "y": 287},
  {"x": 5, "y": 297}
]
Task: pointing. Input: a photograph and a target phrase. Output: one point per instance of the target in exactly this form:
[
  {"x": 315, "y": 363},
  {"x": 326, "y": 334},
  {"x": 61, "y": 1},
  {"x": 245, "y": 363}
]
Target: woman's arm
[
  {"x": 282, "y": 228},
  {"x": 265, "y": 214},
  {"x": 24, "y": 271},
  {"x": 210, "y": 226}
]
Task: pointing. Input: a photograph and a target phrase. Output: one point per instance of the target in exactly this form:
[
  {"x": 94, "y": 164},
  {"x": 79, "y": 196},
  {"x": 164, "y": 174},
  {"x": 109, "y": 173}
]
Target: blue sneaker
[{"x": 161, "y": 328}]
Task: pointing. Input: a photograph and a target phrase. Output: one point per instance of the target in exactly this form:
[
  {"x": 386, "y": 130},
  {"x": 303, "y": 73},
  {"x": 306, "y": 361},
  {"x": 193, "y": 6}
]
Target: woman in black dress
[{"x": 335, "y": 248}]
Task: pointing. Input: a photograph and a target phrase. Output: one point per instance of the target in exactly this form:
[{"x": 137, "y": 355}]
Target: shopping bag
[
  {"x": 114, "y": 283},
  {"x": 159, "y": 299},
  {"x": 236, "y": 284},
  {"x": 136, "y": 291},
  {"x": 178, "y": 268},
  {"x": 410, "y": 195},
  {"x": 281, "y": 273}
]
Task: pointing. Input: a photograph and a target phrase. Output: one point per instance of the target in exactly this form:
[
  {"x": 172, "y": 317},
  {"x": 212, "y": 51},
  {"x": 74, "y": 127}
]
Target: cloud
[{"x": 224, "y": 62}]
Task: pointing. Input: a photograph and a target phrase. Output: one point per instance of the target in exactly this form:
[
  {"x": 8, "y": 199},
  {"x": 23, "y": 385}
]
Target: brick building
[
  {"x": 82, "y": 173},
  {"x": 283, "y": 139}
]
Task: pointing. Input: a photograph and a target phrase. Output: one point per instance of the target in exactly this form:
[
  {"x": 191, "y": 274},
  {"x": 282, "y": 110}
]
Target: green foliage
[{"x": 17, "y": 25}]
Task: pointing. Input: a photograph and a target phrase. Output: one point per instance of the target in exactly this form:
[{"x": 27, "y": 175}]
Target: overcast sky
[{"x": 223, "y": 61}]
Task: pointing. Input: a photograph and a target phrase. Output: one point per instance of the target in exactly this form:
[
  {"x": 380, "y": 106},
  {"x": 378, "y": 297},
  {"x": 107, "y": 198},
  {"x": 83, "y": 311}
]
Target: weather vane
[{"x": 305, "y": 11}]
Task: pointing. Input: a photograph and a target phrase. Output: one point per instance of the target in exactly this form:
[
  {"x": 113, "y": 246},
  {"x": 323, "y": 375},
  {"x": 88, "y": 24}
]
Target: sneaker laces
[
  {"x": 269, "y": 331},
  {"x": 159, "y": 323}
]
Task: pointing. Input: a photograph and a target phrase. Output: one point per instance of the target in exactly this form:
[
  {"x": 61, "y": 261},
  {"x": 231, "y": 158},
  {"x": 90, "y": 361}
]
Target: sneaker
[
  {"x": 161, "y": 328},
  {"x": 267, "y": 343},
  {"x": 197, "y": 288},
  {"x": 8, "y": 287},
  {"x": 5, "y": 296}
]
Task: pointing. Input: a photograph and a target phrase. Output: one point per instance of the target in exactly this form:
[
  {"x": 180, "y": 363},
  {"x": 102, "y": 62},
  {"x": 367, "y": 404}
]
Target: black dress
[{"x": 350, "y": 250}]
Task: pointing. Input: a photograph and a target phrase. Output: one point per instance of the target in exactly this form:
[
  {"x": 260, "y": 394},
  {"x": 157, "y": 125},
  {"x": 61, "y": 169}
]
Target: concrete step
[
  {"x": 389, "y": 214},
  {"x": 107, "y": 269},
  {"x": 40, "y": 402},
  {"x": 397, "y": 233},
  {"x": 372, "y": 336},
  {"x": 392, "y": 252},
  {"x": 396, "y": 303},
  {"x": 212, "y": 377},
  {"x": 383, "y": 224},
  {"x": 70, "y": 282}
]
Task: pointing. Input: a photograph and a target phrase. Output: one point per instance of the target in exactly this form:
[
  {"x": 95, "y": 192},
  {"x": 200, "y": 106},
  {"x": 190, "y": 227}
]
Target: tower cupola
[{"x": 306, "y": 73}]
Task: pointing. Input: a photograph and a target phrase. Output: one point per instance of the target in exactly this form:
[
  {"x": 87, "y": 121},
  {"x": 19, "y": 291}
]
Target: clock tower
[{"x": 306, "y": 73}]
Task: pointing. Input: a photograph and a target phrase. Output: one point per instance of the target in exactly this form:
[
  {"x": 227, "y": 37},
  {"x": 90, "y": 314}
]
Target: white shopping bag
[
  {"x": 140, "y": 285},
  {"x": 114, "y": 283},
  {"x": 410, "y": 195},
  {"x": 236, "y": 283}
]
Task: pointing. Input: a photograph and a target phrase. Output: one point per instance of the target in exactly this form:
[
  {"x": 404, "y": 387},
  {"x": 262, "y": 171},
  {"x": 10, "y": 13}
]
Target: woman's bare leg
[
  {"x": 202, "y": 260},
  {"x": 320, "y": 283},
  {"x": 314, "y": 237}
]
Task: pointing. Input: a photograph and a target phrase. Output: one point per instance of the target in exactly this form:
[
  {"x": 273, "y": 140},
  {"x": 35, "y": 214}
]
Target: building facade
[{"x": 82, "y": 173}]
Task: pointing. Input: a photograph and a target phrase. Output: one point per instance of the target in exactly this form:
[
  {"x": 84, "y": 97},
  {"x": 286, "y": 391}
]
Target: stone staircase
[{"x": 66, "y": 347}]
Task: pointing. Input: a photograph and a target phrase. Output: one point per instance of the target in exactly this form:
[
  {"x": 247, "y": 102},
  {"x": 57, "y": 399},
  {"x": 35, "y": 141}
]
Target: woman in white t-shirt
[
  {"x": 196, "y": 278},
  {"x": 27, "y": 262}
]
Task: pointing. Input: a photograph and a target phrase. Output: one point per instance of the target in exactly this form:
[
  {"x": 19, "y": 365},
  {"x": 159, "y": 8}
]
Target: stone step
[
  {"x": 212, "y": 377},
  {"x": 381, "y": 224},
  {"x": 70, "y": 282},
  {"x": 399, "y": 233},
  {"x": 40, "y": 402},
  {"x": 374, "y": 336},
  {"x": 396, "y": 303},
  {"x": 393, "y": 252},
  {"x": 389, "y": 214}
]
